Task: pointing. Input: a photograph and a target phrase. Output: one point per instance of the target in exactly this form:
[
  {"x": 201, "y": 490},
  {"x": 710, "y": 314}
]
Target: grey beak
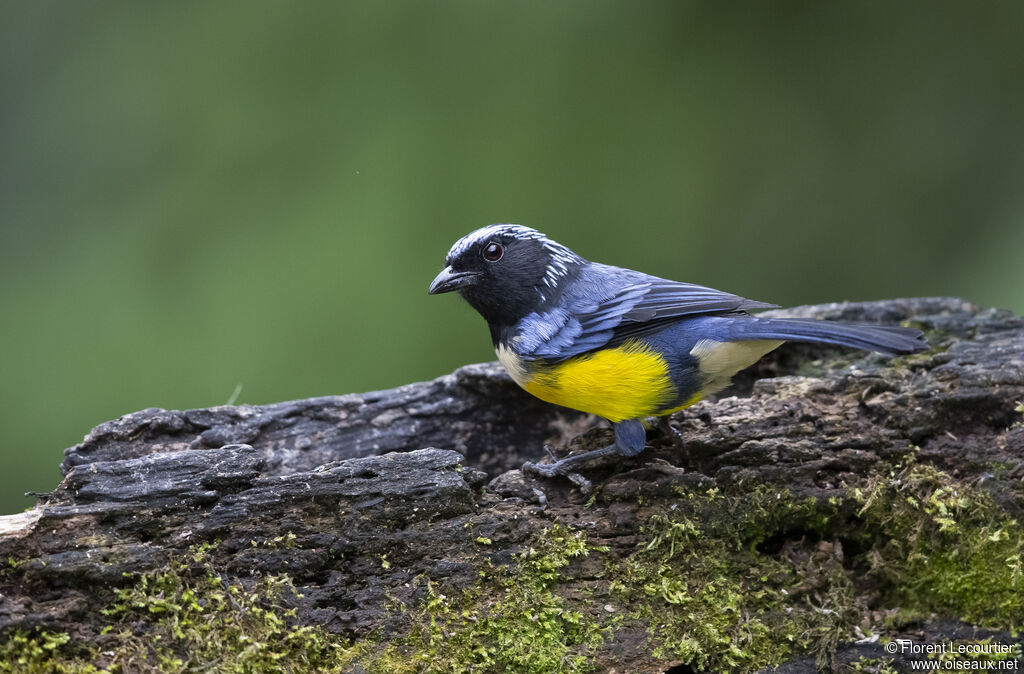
[{"x": 449, "y": 280}]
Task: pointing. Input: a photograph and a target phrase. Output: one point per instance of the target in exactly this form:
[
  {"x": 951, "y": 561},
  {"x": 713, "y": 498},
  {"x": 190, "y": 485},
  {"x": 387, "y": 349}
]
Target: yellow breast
[{"x": 628, "y": 382}]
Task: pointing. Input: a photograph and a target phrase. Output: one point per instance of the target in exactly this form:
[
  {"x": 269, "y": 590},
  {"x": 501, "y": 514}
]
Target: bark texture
[{"x": 381, "y": 490}]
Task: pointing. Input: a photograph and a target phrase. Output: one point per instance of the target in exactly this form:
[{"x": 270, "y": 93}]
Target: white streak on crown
[{"x": 560, "y": 256}]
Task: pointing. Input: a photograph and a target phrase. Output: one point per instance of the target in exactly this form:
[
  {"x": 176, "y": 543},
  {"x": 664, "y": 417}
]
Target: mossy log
[{"x": 829, "y": 502}]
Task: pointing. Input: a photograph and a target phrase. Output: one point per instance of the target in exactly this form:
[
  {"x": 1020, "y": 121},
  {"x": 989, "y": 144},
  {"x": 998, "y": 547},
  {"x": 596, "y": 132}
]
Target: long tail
[{"x": 881, "y": 338}]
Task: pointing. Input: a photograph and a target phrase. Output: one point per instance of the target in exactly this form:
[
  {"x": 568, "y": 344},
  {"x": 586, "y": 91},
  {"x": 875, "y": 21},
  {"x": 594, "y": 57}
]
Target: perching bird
[{"x": 619, "y": 343}]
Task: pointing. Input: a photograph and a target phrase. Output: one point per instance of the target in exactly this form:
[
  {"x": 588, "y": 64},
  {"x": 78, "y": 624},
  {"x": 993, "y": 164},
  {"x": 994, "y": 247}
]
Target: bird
[{"x": 619, "y": 343}]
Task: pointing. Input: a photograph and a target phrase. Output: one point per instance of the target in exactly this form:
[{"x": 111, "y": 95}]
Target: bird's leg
[{"x": 630, "y": 437}]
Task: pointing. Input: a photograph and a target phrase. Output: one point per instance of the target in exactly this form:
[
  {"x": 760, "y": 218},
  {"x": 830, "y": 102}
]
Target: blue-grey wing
[{"x": 606, "y": 305}]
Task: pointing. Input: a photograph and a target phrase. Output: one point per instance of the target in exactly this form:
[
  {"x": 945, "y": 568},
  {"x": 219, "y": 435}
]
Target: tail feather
[{"x": 881, "y": 338}]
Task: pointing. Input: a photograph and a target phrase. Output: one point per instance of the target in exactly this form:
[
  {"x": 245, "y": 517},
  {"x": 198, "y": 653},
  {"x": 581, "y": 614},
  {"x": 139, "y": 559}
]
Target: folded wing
[{"x": 605, "y": 305}]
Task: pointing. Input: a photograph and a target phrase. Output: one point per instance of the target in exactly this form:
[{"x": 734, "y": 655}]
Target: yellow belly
[{"x": 628, "y": 382}]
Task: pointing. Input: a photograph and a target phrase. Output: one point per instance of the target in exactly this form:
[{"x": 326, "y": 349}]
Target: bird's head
[{"x": 506, "y": 271}]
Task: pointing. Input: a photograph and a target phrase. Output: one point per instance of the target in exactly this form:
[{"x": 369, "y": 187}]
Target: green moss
[
  {"x": 711, "y": 599},
  {"x": 37, "y": 652},
  {"x": 939, "y": 545},
  {"x": 735, "y": 582},
  {"x": 186, "y": 618},
  {"x": 195, "y": 621},
  {"x": 513, "y": 620},
  {"x": 283, "y": 542}
]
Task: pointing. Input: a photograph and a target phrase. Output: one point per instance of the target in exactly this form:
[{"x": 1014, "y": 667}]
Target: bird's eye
[{"x": 493, "y": 251}]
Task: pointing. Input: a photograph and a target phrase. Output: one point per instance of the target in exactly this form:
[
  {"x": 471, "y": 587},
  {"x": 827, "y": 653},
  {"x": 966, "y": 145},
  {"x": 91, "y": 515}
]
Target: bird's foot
[
  {"x": 568, "y": 466},
  {"x": 549, "y": 470}
]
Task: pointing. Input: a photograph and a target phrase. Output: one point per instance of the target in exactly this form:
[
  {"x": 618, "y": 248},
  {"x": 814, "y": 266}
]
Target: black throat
[{"x": 505, "y": 308}]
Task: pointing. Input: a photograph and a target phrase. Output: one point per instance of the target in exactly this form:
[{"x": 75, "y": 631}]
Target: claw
[
  {"x": 551, "y": 453},
  {"x": 585, "y": 485},
  {"x": 667, "y": 429}
]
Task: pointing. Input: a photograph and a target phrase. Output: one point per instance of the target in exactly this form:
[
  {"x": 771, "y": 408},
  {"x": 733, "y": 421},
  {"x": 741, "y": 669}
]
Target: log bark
[{"x": 381, "y": 490}]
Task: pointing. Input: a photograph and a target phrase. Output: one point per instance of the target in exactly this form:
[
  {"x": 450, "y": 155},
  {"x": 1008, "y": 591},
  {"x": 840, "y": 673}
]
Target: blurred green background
[{"x": 195, "y": 196}]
